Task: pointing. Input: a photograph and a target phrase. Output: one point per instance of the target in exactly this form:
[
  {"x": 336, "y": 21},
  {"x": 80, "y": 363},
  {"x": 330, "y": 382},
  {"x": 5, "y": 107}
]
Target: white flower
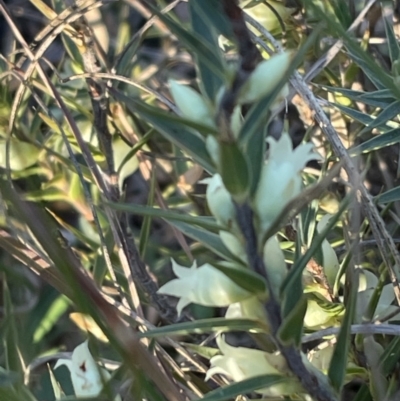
[
  {"x": 241, "y": 363},
  {"x": 330, "y": 262},
  {"x": 280, "y": 180},
  {"x": 265, "y": 77},
  {"x": 86, "y": 375},
  {"x": 191, "y": 104},
  {"x": 205, "y": 286}
]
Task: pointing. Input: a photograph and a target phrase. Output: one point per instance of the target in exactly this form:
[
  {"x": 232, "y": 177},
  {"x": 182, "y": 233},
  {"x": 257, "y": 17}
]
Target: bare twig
[{"x": 367, "y": 328}]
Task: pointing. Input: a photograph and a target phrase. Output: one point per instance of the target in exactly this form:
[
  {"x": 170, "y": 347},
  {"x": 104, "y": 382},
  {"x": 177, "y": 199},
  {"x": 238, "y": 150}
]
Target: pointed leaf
[
  {"x": 205, "y": 326},
  {"x": 393, "y": 195},
  {"x": 233, "y": 170},
  {"x": 209, "y": 240},
  {"x": 379, "y": 141},
  {"x": 338, "y": 365}
]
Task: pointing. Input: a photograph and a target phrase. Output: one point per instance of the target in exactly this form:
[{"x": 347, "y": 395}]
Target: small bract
[{"x": 204, "y": 285}]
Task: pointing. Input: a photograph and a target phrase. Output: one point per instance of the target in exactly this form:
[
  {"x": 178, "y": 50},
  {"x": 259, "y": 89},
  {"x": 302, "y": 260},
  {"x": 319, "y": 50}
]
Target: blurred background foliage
[{"x": 94, "y": 154}]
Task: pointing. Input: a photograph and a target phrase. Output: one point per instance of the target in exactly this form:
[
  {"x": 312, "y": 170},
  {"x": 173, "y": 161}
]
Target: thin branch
[
  {"x": 367, "y": 329},
  {"x": 249, "y": 58},
  {"x": 244, "y": 214}
]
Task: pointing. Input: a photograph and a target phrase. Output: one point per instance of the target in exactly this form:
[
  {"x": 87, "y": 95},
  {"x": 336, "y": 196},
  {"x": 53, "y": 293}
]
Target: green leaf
[
  {"x": 214, "y": 17},
  {"x": 363, "y": 394},
  {"x": 381, "y": 98},
  {"x": 379, "y": 141},
  {"x": 9, "y": 378},
  {"x": 245, "y": 386},
  {"x": 393, "y": 195},
  {"x": 205, "y": 352},
  {"x": 391, "y": 356},
  {"x": 384, "y": 116},
  {"x": 234, "y": 170},
  {"x": 10, "y": 394},
  {"x": 338, "y": 365},
  {"x": 254, "y": 151},
  {"x": 124, "y": 59},
  {"x": 291, "y": 330},
  {"x": 21, "y": 154},
  {"x": 244, "y": 278},
  {"x": 55, "y": 311},
  {"x": 206, "y": 17},
  {"x": 209, "y": 240},
  {"x": 50, "y": 194},
  {"x": 363, "y": 118},
  {"x": 205, "y": 222},
  {"x": 12, "y": 357},
  {"x": 205, "y": 326},
  {"x": 394, "y": 49},
  {"x": 342, "y": 11}
]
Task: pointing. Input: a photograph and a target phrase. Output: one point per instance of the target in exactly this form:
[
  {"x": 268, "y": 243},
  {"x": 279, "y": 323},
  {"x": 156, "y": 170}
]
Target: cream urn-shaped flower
[
  {"x": 204, "y": 285},
  {"x": 87, "y": 376},
  {"x": 280, "y": 180},
  {"x": 239, "y": 363}
]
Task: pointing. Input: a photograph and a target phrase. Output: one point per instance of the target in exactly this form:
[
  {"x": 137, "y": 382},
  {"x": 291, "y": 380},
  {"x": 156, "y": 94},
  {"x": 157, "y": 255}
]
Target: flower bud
[
  {"x": 205, "y": 286},
  {"x": 219, "y": 201},
  {"x": 191, "y": 104},
  {"x": 265, "y": 77}
]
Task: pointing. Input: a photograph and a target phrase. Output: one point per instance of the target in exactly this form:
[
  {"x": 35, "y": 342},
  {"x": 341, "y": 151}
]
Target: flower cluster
[{"x": 280, "y": 182}]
